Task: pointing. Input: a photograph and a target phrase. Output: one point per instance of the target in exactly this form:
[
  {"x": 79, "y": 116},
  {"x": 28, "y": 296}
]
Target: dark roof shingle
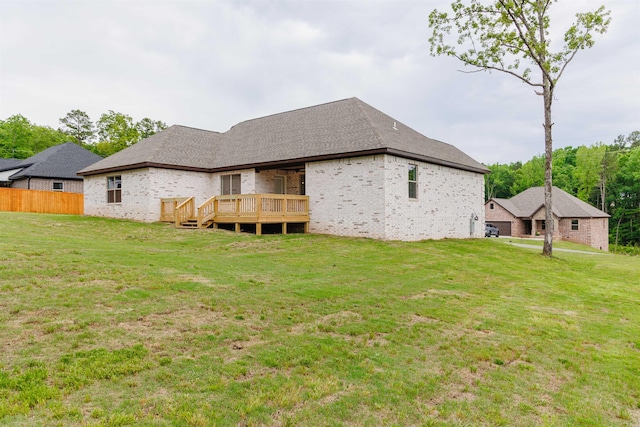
[
  {"x": 564, "y": 205},
  {"x": 60, "y": 161},
  {"x": 343, "y": 128}
]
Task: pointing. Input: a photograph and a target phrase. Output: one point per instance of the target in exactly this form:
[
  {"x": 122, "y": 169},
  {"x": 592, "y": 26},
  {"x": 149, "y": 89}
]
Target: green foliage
[
  {"x": 511, "y": 36},
  {"x": 116, "y": 131},
  {"x": 531, "y": 174},
  {"x": 78, "y": 125},
  {"x": 588, "y": 171},
  {"x": 19, "y": 138}
]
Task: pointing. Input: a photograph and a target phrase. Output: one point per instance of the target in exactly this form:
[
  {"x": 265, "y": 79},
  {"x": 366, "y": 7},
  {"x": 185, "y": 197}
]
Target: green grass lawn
[{"x": 115, "y": 323}]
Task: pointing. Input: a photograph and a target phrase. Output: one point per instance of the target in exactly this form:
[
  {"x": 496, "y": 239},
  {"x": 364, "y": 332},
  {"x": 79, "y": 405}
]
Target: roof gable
[
  {"x": 564, "y": 205},
  {"x": 343, "y": 128}
]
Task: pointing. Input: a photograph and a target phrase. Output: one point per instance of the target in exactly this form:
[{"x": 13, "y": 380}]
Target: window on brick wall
[
  {"x": 231, "y": 184},
  {"x": 413, "y": 181},
  {"x": 490, "y": 205},
  {"x": 114, "y": 189},
  {"x": 574, "y": 225}
]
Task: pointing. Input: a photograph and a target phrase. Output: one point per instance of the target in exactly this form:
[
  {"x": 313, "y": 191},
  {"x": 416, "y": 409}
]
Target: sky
[{"x": 212, "y": 64}]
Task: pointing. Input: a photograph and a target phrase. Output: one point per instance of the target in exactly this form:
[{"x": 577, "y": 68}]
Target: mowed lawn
[{"x": 115, "y": 323}]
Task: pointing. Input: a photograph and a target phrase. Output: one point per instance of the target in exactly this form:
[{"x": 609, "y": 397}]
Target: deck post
[
  {"x": 306, "y": 227},
  {"x": 258, "y": 229},
  {"x": 284, "y": 228},
  {"x": 237, "y": 227}
]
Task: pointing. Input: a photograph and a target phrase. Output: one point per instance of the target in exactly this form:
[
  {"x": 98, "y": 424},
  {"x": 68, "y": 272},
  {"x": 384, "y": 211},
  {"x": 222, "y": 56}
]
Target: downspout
[{"x": 29, "y": 183}]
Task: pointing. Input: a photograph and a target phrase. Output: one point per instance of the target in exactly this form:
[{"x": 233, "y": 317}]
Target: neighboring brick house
[
  {"x": 363, "y": 173},
  {"x": 54, "y": 169},
  {"x": 523, "y": 215}
]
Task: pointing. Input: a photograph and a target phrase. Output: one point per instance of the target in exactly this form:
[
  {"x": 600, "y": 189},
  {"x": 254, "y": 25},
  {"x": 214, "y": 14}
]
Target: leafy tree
[
  {"x": 531, "y": 174},
  {"x": 78, "y": 125},
  {"x": 564, "y": 164},
  {"x": 147, "y": 127},
  {"x": 116, "y": 132},
  {"x": 504, "y": 36},
  {"x": 19, "y": 138},
  {"x": 499, "y": 182},
  {"x": 588, "y": 169}
]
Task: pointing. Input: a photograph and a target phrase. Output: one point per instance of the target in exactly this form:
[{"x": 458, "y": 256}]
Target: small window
[
  {"x": 413, "y": 181},
  {"x": 58, "y": 186},
  {"x": 114, "y": 189},
  {"x": 490, "y": 205},
  {"x": 231, "y": 184},
  {"x": 574, "y": 225}
]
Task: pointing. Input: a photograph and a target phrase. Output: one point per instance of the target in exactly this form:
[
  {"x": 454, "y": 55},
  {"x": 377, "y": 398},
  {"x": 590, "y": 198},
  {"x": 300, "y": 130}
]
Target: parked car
[{"x": 491, "y": 230}]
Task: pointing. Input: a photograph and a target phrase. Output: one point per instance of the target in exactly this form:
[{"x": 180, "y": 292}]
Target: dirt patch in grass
[
  {"x": 438, "y": 292},
  {"x": 165, "y": 325},
  {"x": 328, "y": 322}
]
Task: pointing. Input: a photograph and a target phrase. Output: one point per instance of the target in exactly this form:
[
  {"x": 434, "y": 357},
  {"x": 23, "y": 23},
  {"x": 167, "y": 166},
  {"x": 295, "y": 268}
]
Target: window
[
  {"x": 574, "y": 225},
  {"x": 114, "y": 189},
  {"x": 413, "y": 182},
  {"x": 490, "y": 205},
  {"x": 58, "y": 186},
  {"x": 230, "y": 184}
]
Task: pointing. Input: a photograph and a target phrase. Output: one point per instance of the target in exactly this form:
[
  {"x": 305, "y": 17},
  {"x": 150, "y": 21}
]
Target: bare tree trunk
[{"x": 547, "y": 94}]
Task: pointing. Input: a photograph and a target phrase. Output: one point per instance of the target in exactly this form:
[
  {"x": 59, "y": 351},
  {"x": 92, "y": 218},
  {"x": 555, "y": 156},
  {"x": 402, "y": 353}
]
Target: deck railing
[
  {"x": 262, "y": 208},
  {"x": 168, "y": 208},
  {"x": 238, "y": 208},
  {"x": 185, "y": 211},
  {"x": 206, "y": 211}
]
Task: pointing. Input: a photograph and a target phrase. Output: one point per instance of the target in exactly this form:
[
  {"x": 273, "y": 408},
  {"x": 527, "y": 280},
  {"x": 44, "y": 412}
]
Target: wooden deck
[{"x": 238, "y": 209}]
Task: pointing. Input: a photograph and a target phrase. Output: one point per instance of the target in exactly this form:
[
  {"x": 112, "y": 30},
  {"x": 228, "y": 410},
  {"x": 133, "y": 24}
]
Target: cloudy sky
[{"x": 212, "y": 64}]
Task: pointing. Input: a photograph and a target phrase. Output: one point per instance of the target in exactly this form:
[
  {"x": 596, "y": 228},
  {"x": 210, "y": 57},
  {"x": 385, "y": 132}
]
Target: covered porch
[{"x": 237, "y": 210}]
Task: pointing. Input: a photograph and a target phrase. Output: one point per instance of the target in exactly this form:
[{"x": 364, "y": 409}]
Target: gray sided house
[
  {"x": 358, "y": 171},
  {"x": 54, "y": 169},
  {"x": 523, "y": 215}
]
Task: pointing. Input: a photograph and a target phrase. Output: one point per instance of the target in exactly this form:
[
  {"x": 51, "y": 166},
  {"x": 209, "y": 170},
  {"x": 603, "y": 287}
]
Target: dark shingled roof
[
  {"x": 345, "y": 128},
  {"x": 60, "y": 161},
  {"x": 564, "y": 205},
  {"x": 6, "y": 164}
]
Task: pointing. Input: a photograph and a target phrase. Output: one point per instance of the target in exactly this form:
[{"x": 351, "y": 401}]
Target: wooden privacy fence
[{"x": 57, "y": 202}]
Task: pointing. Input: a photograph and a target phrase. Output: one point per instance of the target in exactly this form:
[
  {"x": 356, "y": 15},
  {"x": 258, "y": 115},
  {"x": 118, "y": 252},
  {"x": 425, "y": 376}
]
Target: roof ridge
[
  {"x": 194, "y": 128},
  {"x": 290, "y": 111},
  {"x": 368, "y": 119}
]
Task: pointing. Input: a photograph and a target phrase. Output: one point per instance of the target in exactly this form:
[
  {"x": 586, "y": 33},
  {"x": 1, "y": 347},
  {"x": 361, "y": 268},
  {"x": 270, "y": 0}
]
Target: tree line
[
  {"x": 606, "y": 176},
  {"x": 112, "y": 132}
]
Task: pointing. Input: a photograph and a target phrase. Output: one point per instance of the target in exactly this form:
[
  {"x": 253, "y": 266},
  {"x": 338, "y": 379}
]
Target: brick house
[
  {"x": 341, "y": 168},
  {"x": 54, "y": 169},
  {"x": 573, "y": 220}
]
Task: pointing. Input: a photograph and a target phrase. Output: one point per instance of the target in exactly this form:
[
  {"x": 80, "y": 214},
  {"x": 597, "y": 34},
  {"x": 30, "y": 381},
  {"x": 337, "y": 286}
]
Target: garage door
[{"x": 503, "y": 226}]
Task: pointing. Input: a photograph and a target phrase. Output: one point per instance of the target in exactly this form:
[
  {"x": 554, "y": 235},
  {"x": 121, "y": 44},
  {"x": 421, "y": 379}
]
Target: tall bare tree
[{"x": 512, "y": 36}]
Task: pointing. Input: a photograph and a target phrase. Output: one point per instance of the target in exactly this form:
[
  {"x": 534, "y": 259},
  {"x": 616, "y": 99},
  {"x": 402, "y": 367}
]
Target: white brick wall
[
  {"x": 446, "y": 199},
  {"x": 142, "y": 190},
  {"x": 369, "y": 197},
  {"x": 359, "y": 197},
  {"x": 346, "y": 197}
]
